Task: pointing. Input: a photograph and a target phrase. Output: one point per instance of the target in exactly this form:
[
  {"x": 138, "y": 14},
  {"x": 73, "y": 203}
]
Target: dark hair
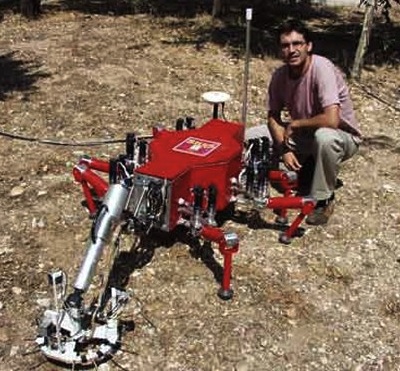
[{"x": 294, "y": 25}]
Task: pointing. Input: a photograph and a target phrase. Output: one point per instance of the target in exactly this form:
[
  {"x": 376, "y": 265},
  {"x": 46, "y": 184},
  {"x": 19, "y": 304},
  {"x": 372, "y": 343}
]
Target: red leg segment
[
  {"x": 228, "y": 245},
  {"x": 91, "y": 183}
]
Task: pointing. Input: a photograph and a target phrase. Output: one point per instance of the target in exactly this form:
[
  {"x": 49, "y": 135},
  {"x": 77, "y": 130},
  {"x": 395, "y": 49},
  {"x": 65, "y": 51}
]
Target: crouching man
[{"x": 320, "y": 129}]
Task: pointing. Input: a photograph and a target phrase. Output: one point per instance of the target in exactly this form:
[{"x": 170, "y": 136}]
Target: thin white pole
[{"x": 249, "y": 16}]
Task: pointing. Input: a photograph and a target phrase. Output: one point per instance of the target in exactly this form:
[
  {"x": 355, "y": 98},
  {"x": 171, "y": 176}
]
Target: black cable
[
  {"x": 67, "y": 144},
  {"x": 374, "y": 95},
  {"x": 118, "y": 365}
]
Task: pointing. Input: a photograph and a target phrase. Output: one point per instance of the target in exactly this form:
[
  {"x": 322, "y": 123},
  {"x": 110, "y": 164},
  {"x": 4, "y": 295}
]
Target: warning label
[{"x": 197, "y": 146}]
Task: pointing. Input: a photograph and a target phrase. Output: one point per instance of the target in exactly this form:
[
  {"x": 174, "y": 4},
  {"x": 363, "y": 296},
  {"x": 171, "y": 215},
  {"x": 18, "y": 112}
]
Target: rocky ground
[{"x": 329, "y": 301}]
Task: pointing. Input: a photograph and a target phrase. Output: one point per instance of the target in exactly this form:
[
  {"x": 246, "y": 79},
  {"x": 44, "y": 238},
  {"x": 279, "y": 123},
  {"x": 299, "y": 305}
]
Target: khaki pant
[{"x": 328, "y": 148}]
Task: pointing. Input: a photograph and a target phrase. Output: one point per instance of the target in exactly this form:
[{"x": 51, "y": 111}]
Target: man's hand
[
  {"x": 291, "y": 162},
  {"x": 287, "y": 134}
]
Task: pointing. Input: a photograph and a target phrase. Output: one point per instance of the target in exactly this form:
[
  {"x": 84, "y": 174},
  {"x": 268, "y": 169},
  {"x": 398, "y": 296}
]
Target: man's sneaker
[{"x": 322, "y": 212}]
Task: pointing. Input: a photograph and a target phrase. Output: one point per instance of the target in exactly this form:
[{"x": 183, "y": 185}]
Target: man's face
[{"x": 294, "y": 48}]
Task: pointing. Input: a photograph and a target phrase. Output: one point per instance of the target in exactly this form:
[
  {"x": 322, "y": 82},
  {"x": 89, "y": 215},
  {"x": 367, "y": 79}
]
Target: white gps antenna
[{"x": 216, "y": 98}]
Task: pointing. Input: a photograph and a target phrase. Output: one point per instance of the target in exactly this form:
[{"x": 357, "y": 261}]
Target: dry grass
[{"x": 314, "y": 305}]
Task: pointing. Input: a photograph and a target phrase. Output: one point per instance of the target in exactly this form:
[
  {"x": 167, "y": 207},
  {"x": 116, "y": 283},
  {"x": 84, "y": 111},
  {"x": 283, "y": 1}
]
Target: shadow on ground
[
  {"x": 8, "y": 5},
  {"x": 338, "y": 42},
  {"x": 18, "y": 75}
]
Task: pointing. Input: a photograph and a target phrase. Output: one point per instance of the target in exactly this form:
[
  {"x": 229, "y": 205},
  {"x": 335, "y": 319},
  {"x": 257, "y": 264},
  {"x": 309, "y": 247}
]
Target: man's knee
[
  {"x": 325, "y": 136},
  {"x": 326, "y": 141}
]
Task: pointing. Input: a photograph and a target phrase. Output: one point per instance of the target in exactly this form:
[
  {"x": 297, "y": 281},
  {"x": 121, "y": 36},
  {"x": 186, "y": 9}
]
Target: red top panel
[{"x": 174, "y": 152}]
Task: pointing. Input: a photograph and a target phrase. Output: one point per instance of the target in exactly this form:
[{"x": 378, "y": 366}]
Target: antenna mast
[{"x": 249, "y": 16}]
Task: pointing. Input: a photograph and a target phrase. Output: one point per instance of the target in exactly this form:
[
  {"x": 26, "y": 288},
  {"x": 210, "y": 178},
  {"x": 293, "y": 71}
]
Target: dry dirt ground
[{"x": 329, "y": 301}]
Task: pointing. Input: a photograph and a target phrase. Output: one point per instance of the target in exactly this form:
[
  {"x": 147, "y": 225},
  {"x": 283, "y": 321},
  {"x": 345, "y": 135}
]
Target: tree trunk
[
  {"x": 364, "y": 39},
  {"x": 217, "y": 8},
  {"x": 30, "y": 8}
]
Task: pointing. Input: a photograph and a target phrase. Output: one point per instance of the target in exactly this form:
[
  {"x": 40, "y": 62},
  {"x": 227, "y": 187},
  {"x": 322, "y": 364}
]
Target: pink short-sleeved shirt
[{"x": 321, "y": 86}]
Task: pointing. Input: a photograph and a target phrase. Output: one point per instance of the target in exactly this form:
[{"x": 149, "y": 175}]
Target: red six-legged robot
[{"x": 180, "y": 178}]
